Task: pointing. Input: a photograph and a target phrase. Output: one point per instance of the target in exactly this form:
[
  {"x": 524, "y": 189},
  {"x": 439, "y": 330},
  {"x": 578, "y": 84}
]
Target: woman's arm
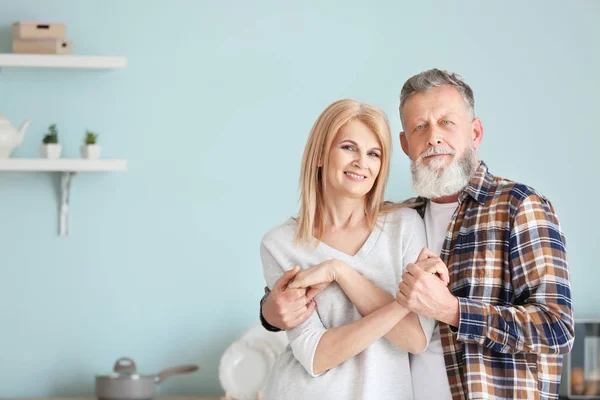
[
  {"x": 317, "y": 348},
  {"x": 344, "y": 342},
  {"x": 367, "y": 298}
]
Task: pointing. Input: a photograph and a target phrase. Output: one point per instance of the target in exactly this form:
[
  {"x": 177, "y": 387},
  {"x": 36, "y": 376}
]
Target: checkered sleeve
[{"x": 541, "y": 318}]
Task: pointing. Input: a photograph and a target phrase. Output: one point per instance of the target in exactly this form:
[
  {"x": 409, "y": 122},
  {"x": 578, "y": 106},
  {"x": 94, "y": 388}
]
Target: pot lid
[{"x": 126, "y": 369}]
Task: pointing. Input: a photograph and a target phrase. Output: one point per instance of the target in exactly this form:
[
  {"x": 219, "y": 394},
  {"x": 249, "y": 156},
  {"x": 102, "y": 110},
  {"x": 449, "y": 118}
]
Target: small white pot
[
  {"x": 90, "y": 151},
  {"x": 52, "y": 151}
]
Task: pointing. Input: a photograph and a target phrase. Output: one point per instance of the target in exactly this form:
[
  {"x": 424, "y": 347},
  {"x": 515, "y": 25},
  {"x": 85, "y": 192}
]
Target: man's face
[
  {"x": 441, "y": 139},
  {"x": 438, "y": 118}
]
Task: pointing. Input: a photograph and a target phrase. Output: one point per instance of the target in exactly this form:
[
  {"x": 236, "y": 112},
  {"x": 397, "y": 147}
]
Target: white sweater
[{"x": 382, "y": 370}]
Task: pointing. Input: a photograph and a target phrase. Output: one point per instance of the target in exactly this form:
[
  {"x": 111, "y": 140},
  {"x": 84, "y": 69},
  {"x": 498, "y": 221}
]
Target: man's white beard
[{"x": 434, "y": 180}]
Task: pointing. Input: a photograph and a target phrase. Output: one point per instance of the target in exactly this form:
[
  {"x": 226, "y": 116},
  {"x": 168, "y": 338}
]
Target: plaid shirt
[{"x": 508, "y": 267}]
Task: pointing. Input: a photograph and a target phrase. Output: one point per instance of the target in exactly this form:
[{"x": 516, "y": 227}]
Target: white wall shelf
[
  {"x": 61, "y": 61},
  {"x": 68, "y": 167},
  {"x": 62, "y": 165}
]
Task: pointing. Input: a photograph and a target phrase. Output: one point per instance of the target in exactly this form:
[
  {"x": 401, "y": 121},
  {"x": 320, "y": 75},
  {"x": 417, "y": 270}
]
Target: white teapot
[{"x": 10, "y": 137}]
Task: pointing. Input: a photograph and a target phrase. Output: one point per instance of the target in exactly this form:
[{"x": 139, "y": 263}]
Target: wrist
[
  {"x": 266, "y": 324},
  {"x": 450, "y": 314},
  {"x": 338, "y": 269}
]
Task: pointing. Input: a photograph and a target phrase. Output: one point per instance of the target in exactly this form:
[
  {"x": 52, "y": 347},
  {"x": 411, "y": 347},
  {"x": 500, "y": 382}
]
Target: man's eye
[
  {"x": 446, "y": 122},
  {"x": 420, "y": 127}
]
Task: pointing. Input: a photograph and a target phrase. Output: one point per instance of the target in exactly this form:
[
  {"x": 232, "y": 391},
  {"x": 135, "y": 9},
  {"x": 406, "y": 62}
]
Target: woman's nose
[{"x": 359, "y": 161}]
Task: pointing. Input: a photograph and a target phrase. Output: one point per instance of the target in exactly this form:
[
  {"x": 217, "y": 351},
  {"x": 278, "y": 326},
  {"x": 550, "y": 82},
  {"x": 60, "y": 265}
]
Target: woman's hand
[
  {"x": 429, "y": 262},
  {"x": 316, "y": 278}
]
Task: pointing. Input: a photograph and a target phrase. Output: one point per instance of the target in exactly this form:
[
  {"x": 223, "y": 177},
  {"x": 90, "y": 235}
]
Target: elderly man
[{"x": 506, "y": 318}]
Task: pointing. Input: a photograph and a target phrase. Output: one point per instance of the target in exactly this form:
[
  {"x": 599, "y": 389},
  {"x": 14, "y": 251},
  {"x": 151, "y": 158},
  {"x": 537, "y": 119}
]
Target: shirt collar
[{"x": 480, "y": 185}]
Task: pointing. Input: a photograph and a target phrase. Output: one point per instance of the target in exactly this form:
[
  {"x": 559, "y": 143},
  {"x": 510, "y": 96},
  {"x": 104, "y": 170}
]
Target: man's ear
[
  {"x": 404, "y": 143},
  {"x": 477, "y": 133}
]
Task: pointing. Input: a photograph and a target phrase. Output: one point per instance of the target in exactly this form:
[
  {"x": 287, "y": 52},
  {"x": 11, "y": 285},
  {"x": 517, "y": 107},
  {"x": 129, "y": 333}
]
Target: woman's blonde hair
[{"x": 316, "y": 152}]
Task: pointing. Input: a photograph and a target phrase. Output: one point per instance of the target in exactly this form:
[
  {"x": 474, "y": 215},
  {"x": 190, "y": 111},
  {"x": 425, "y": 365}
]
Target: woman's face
[{"x": 354, "y": 161}]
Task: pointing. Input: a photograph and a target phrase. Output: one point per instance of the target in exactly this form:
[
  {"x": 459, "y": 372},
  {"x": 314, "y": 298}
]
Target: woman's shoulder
[
  {"x": 284, "y": 232},
  {"x": 402, "y": 216},
  {"x": 405, "y": 226}
]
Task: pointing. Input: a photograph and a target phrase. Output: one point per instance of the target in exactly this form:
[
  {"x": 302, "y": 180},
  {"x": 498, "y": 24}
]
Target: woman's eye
[
  {"x": 374, "y": 155},
  {"x": 348, "y": 147}
]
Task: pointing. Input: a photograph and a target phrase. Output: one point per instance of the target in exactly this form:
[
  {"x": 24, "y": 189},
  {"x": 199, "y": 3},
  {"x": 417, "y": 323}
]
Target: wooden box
[
  {"x": 39, "y": 30},
  {"x": 50, "y": 46}
]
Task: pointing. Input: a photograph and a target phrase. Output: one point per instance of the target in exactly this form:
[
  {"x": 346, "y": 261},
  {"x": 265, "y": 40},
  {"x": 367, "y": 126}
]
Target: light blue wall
[{"x": 212, "y": 114}]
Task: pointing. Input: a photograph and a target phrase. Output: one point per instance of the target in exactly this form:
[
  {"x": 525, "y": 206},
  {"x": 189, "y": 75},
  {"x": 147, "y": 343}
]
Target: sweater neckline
[{"x": 360, "y": 255}]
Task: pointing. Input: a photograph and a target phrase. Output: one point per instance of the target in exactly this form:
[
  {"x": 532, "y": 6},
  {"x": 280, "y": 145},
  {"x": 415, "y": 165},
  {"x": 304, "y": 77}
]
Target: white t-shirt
[{"x": 428, "y": 369}]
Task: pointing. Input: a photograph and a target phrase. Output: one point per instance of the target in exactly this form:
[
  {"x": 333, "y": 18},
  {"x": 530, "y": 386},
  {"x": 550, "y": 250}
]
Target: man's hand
[
  {"x": 285, "y": 307},
  {"x": 315, "y": 279},
  {"x": 427, "y": 295}
]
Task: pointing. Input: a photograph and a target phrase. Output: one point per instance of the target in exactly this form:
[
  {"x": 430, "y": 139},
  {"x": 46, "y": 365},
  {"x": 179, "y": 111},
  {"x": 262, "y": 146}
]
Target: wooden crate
[
  {"x": 39, "y": 30},
  {"x": 50, "y": 46}
]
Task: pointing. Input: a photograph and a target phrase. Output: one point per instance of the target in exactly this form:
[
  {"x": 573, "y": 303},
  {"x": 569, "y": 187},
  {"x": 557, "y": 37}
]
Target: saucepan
[{"x": 127, "y": 384}]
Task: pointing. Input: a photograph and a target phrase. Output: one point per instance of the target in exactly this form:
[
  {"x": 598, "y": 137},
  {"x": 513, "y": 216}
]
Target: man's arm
[{"x": 541, "y": 321}]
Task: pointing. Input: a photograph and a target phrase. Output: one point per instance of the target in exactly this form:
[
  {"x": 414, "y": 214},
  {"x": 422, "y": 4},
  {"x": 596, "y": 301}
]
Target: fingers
[
  {"x": 414, "y": 269},
  {"x": 299, "y": 304},
  {"x": 401, "y": 298},
  {"x": 401, "y": 295},
  {"x": 440, "y": 271},
  {"x": 403, "y": 288},
  {"x": 303, "y": 316},
  {"x": 304, "y": 279},
  {"x": 293, "y": 294},
  {"x": 292, "y": 316},
  {"x": 408, "y": 278},
  {"x": 312, "y": 292},
  {"x": 437, "y": 267},
  {"x": 425, "y": 254},
  {"x": 282, "y": 282}
]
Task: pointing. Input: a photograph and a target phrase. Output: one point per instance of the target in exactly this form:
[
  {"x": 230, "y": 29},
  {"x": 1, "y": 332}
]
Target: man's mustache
[{"x": 434, "y": 151}]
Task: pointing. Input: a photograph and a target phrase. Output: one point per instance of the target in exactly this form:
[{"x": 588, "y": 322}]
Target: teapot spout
[{"x": 22, "y": 129}]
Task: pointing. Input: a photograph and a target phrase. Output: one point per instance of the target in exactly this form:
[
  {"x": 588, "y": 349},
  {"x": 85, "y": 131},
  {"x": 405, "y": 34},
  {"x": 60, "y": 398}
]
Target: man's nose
[{"x": 435, "y": 137}]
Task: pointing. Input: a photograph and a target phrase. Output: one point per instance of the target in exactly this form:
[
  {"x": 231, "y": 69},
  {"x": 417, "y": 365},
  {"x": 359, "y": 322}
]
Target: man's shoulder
[{"x": 512, "y": 192}]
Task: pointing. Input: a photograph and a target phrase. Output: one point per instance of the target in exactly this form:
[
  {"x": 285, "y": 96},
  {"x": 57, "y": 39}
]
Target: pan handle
[
  {"x": 181, "y": 369},
  {"x": 125, "y": 364}
]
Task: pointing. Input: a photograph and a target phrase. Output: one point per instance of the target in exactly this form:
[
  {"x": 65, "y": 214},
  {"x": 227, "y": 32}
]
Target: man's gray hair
[{"x": 429, "y": 79}]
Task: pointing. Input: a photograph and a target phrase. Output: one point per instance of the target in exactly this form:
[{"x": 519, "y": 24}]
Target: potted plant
[
  {"x": 90, "y": 149},
  {"x": 50, "y": 148}
]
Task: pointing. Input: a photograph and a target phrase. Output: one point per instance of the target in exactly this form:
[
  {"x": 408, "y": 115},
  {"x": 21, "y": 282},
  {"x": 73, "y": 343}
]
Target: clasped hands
[{"x": 423, "y": 289}]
